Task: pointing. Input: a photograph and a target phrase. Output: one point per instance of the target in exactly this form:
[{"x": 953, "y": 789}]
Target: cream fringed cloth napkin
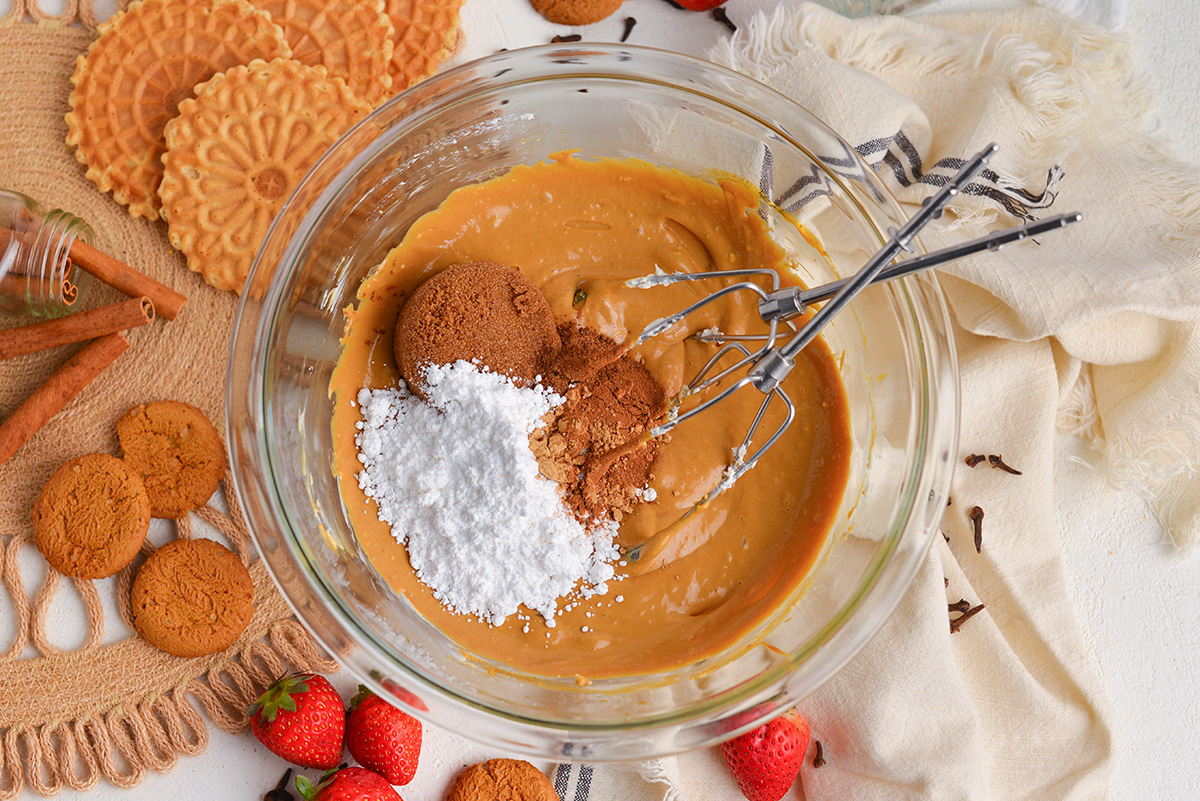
[{"x": 1093, "y": 328}]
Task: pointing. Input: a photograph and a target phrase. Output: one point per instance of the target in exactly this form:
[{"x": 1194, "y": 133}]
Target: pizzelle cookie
[
  {"x": 508, "y": 779},
  {"x": 130, "y": 82},
  {"x": 192, "y": 598},
  {"x": 91, "y": 517},
  {"x": 235, "y": 153},
  {"x": 426, "y": 33},
  {"x": 177, "y": 452},
  {"x": 351, "y": 39}
]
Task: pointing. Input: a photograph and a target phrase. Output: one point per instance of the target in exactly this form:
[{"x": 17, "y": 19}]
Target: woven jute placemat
[{"x": 109, "y": 709}]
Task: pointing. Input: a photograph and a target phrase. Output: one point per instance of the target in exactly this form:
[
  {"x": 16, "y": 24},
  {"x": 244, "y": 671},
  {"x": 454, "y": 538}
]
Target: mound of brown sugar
[
  {"x": 596, "y": 446},
  {"x": 480, "y": 312}
]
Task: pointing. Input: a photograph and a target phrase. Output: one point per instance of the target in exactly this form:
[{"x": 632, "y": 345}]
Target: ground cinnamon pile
[{"x": 594, "y": 445}]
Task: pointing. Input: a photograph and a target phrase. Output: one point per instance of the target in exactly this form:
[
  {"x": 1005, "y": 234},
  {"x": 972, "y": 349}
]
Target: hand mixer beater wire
[{"x": 770, "y": 364}]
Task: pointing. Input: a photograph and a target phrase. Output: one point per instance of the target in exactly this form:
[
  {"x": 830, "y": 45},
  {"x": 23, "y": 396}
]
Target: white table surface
[{"x": 1138, "y": 599}]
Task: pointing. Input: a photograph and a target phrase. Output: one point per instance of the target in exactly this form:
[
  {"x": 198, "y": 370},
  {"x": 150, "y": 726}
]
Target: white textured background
[{"x": 1138, "y": 599}]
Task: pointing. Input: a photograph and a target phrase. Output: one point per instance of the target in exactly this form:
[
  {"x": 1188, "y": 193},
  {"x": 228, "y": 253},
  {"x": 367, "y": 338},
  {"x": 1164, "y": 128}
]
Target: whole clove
[
  {"x": 629, "y": 23},
  {"x": 819, "y": 757},
  {"x": 568, "y": 39},
  {"x": 280, "y": 793},
  {"x": 957, "y": 623},
  {"x": 962, "y": 606},
  {"x": 998, "y": 462},
  {"x": 976, "y": 515},
  {"x": 720, "y": 16},
  {"x": 995, "y": 460}
]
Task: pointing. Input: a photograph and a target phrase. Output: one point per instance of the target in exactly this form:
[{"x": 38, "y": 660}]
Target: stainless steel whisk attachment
[{"x": 768, "y": 365}]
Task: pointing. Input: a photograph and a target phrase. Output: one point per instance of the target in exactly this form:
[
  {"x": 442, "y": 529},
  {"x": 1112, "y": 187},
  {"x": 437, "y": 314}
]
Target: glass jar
[{"x": 37, "y": 275}]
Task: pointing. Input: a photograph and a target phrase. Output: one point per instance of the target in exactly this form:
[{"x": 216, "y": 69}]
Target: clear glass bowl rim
[{"x": 885, "y": 581}]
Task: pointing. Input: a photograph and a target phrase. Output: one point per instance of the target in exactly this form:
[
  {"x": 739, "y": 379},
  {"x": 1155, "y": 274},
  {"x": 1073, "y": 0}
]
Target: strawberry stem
[{"x": 279, "y": 696}]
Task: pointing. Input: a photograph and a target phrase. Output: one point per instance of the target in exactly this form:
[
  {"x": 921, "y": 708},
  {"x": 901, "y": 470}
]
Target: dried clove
[
  {"x": 280, "y": 793},
  {"x": 947, "y": 582},
  {"x": 976, "y": 515},
  {"x": 997, "y": 461},
  {"x": 974, "y": 459},
  {"x": 957, "y": 622},
  {"x": 629, "y": 23},
  {"x": 819, "y": 757},
  {"x": 568, "y": 39},
  {"x": 720, "y": 16},
  {"x": 946, "y": 537},
  {"x": 963, "y": 605}
]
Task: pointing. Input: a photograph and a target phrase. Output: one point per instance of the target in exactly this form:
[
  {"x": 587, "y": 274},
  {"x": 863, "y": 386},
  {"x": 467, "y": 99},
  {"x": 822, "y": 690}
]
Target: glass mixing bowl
[{"x": 471, "y": 124}]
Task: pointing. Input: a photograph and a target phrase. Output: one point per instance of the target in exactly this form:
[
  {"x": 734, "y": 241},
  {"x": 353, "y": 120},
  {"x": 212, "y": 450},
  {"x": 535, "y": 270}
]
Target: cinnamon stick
[
  {"x": 88, "y": 324},
  {"x": 49, "y": 399},
  {"x": 167, "y": 301},
  {"x": 14, "y": 286}
]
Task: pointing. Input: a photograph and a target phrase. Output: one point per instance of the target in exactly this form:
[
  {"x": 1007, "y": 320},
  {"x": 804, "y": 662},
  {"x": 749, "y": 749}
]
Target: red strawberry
[
  {"x": 348, "y": 784},
  {"x": 765, "y": 761},
  {"x": 697, "y": 5},
  {"x": 383, "y": 738},
  {"x": 301, "y": 718}
]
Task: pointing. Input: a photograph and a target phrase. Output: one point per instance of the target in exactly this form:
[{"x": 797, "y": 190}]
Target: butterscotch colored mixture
[{"x": 578, "y": 230}]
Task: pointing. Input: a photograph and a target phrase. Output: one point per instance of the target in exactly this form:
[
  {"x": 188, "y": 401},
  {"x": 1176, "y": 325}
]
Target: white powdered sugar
[{"x": 459, "y": 486}]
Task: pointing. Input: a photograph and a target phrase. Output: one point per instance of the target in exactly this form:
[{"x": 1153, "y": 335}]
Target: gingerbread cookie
[
  {"x": 192, "y": 598},
  {"x": 503, "y": 779},
  {"x": 177, "y": 452},
  {"x": 575, "y": 12},
  {"x": 91, "y": 517}
]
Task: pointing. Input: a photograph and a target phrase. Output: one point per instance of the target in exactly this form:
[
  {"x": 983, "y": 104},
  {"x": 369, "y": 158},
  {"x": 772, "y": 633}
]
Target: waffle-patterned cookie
[
  {"x": 131, "y": 80},
  {"x": 236, "y": 151},
  {"x": 426, "y": 35},
  {"x": 351, "y": 39}
]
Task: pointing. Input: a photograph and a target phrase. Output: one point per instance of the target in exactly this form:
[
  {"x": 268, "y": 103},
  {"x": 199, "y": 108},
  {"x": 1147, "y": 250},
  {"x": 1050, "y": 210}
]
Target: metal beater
[{"x": 770, "y": 364}]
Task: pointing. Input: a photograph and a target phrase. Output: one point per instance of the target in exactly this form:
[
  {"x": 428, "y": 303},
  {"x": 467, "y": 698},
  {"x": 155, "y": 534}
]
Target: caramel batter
[{"x": 579, "y": 229}]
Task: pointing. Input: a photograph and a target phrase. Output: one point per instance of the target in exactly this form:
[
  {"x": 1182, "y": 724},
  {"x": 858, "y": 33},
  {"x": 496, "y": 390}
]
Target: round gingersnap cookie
[
  {"x": 575, "y": 12},
  {"x": 192, "y": 598},
  {"x": 176, "y": 451},
  {"x": 91, "y": 517},
  {"x": 507, "y": 779}
]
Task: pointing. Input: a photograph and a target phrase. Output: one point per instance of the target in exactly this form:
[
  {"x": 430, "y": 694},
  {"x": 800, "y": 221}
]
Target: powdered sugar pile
[{"x": 456, "y": 481}]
